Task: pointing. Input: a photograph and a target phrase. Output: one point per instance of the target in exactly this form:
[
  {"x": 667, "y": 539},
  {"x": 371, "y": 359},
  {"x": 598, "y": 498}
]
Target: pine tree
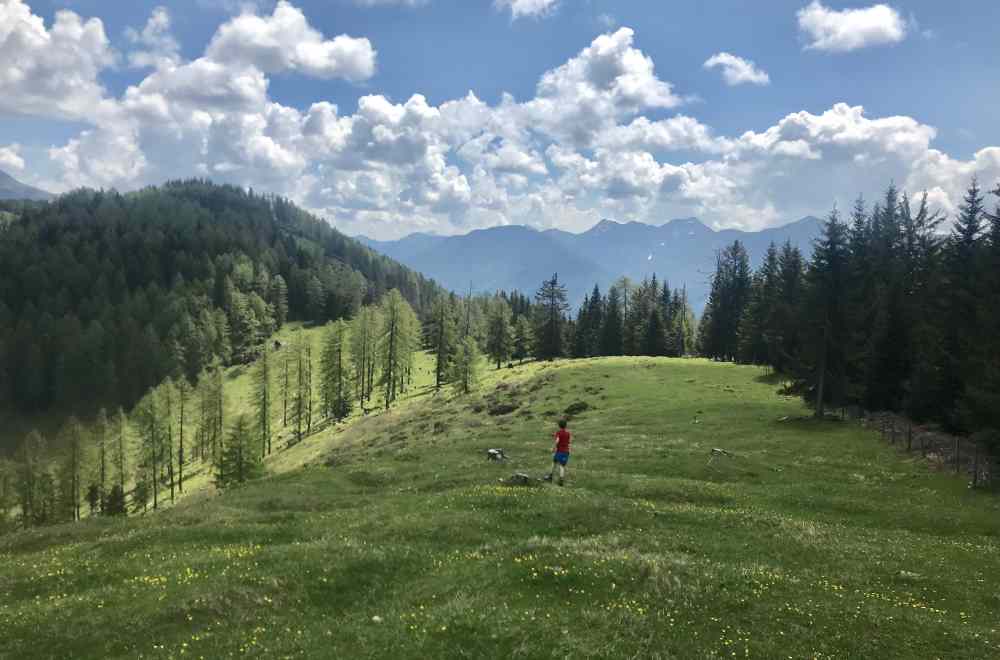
[
  {"x": 279, "y": 300},
  {"x": 822, "y": 364},
  {"x": 499, "y": 334},
  {"x": 183, "y": 394},
  {"x": 727, "y": 299},
  {"x": 611, "y": 326},
  {"x": 239, "y": 461},
  {"x": 30, "y": 469},
  {"x": 335, "y": 378},
  {"x": 441, "y": 339},
  {"x": 146, "y": 418},
  {"x": 550, "y": 319},
  {"x": 522, "y": 339},
  {"x": 121, "y": 448},
  {"x": 101, "y": 445},
  {"x": 466, "y": 367},
  {"x": 364, "y": 343},
  {"x": 964, "y": 252},
  {"x": 399, "y": 337},
  {"x": 262, "y": 401},
  {"x": 71, "y": 479}
]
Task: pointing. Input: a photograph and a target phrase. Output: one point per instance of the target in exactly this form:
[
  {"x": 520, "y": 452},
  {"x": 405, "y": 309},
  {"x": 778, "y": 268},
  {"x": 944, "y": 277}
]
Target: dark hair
[{"x": 562, "y": 423}]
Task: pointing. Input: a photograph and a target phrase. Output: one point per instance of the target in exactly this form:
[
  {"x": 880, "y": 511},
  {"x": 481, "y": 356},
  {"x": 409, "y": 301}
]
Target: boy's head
[{"x": 562, "y": 423}]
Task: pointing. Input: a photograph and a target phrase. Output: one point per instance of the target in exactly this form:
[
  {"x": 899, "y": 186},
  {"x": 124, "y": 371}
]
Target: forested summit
[{"x": 103, "y": 295}]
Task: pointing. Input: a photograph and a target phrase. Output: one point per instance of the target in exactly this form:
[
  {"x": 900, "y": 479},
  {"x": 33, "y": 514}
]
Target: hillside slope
[
  {"x": 810, "y": 540},
  {"x": 103, "y": 295},
  {"x": 11, "y": 188}
]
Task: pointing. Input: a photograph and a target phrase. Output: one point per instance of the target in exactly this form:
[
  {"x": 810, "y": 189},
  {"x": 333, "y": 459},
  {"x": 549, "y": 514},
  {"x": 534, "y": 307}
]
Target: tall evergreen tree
[
  {"x": 499, "y": 334},
  {"x": 550, "y": 319},
  {"x": 442, "y": 339},
  {"x": 822, "y": 365},
  {"x": 611, "y": 327}
]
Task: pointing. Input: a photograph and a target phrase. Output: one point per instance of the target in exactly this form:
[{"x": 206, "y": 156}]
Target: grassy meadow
[{"x": 392, "y": 536}]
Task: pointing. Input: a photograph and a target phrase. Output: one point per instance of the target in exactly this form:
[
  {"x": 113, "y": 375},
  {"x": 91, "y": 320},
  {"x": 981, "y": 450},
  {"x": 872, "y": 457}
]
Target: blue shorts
[{"x": 560, "y": 457}]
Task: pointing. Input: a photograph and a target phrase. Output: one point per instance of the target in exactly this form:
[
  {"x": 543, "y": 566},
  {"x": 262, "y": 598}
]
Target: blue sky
[{"x": 611, "y": 108}]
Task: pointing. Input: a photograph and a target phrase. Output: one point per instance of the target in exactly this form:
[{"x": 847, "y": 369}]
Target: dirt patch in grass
[{"x": 577, "y": 408}]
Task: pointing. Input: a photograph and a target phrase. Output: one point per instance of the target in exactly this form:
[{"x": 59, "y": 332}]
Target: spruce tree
[
  {"x": 499, "y": 334},
  {"x": 550, "y": 319},
  {"x": 442, "y": 339},
  {"x": 822, "y": 364},
  {"x": 611, "y": 326}
]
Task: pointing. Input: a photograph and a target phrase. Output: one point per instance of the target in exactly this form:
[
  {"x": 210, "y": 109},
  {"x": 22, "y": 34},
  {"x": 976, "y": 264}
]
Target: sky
[{"x": 388, "y": 117}]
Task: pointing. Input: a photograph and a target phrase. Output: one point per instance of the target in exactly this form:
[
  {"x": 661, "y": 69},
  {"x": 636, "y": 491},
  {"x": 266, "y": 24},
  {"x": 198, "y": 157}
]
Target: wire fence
[{"x": 965, "y": 456}]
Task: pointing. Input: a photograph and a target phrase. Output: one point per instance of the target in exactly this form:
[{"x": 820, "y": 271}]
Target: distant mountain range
[
  {"x": 11, "y": 188},
  {"x": 682, "y": 252}
]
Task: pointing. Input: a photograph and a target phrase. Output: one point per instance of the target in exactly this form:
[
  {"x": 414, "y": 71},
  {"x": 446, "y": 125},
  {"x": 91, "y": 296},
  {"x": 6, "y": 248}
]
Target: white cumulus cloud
[
  {"x": 737, "y": 71},
  {"x": 10, "y": 157},
  {"x": 155, "y": 45},
  {"x": 284, "y": 41},
  {"x": 51, "y": 72},
  {"x": 850, "y": 29},
  {"x": 527, "y": 8}
]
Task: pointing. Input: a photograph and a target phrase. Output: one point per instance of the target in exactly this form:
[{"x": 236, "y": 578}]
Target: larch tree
[
  {"x": 399, "y": 337},
  {"x": 466, "y": 366},
  {"x": 335, "y": 372},
  {"x": 262, "y": 401},
  {"x": 522, "y": 338}
]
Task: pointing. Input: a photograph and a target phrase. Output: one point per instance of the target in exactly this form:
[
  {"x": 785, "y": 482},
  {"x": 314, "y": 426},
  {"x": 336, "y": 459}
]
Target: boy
[{"x": 560, "y": 455}]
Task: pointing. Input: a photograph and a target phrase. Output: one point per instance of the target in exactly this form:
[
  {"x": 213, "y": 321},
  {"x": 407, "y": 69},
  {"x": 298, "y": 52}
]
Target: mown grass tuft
[{"x": 392, "y": 536}]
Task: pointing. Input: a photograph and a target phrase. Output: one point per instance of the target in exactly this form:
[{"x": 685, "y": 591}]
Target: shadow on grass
[{"x": 771, "y": 378}]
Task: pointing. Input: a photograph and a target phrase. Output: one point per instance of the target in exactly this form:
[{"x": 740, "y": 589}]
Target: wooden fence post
[{"x": 975, "y": 468}]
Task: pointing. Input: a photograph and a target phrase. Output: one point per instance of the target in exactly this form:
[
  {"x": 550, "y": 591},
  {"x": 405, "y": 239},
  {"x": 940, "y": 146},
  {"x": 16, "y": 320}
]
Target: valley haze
[{"x": 516, "y": 257}]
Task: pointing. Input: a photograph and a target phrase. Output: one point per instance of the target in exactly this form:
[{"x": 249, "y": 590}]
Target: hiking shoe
[
  {"x": 547, "y": 477},
  {"x": 561, "y": 482}
]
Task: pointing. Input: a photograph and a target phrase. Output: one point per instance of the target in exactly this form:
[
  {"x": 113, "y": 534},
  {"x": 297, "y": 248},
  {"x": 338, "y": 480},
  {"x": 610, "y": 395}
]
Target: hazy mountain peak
[{"x": 11, "y": 188}]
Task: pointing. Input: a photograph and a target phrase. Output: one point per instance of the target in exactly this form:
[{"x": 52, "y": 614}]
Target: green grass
[{"x": 391, "y": 537}]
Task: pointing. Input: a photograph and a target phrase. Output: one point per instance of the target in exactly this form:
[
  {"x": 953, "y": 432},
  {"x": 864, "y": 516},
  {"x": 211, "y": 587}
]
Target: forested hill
[{"x": 102, "y": 294}]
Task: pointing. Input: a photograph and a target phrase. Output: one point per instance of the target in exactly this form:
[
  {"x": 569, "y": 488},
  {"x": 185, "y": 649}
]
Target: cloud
[
  {"x": 285, "y": 41},
  {"x": 10, "y": 157},
  {"x": 850, "y": 29},
  {"x": 527, "y": 8},
  {"x": 607, "y": 81},
  {"x": 157, "y": 45},
  {"x": 599, "y": 137},
  {"x": 391, "y": 3},
  {"x": 737, "y": 71},
  {"x": 51, "y": 72}
]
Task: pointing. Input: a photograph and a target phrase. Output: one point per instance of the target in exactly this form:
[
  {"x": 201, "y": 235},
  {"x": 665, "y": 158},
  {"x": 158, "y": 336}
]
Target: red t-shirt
[{"x": 562, "y": 441}]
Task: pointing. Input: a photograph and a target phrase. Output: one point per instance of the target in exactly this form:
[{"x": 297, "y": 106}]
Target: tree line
[{"x": 890, "y": 313}]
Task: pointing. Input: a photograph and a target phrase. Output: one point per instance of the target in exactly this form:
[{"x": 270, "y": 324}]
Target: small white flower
[{"x": 376, "y": 619}]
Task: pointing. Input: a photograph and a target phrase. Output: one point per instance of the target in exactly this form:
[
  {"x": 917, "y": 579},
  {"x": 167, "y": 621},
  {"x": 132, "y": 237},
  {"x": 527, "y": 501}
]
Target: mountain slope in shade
[
  {"x": 11, "y": 188},
  {"x": 681, "y": 251}
]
